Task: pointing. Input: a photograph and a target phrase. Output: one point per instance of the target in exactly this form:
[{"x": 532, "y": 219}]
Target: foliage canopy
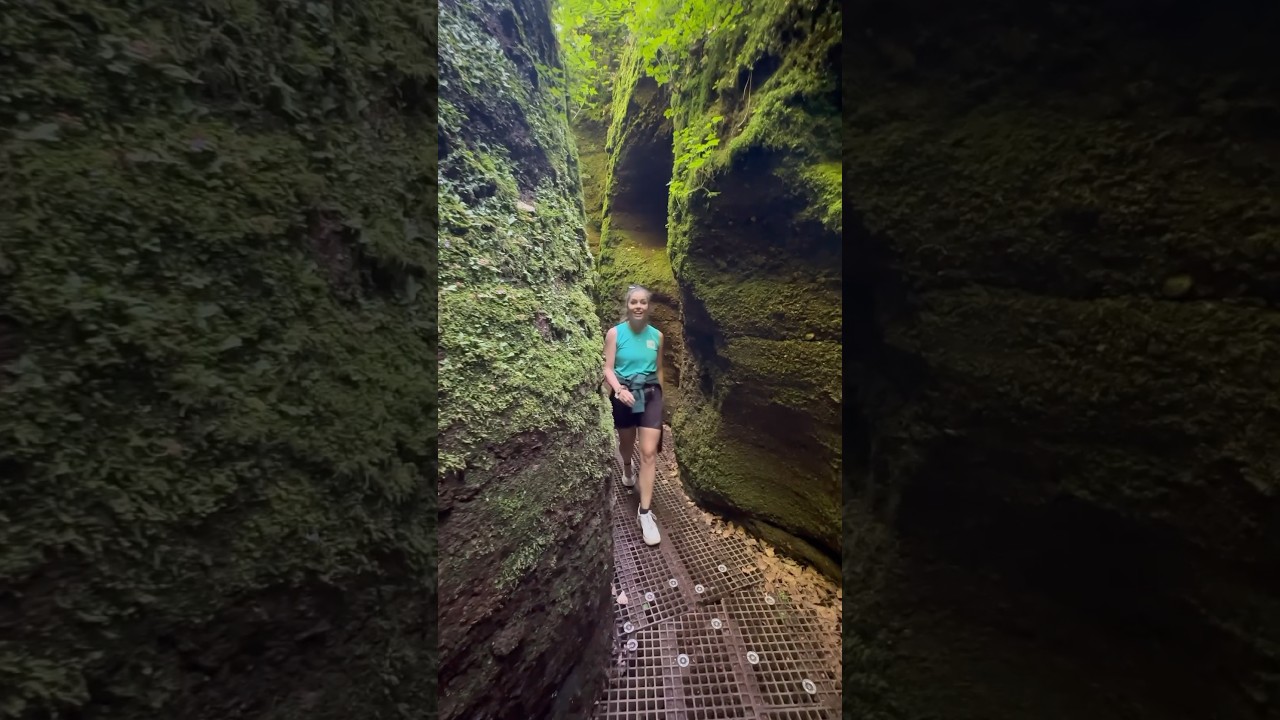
[{"x": 665, "y": 34}]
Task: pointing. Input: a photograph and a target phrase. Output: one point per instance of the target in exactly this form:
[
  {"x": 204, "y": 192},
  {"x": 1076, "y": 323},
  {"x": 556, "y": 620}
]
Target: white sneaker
[
  {"x": 650, "y": 528},
  {"x": 629, "y": 477}
]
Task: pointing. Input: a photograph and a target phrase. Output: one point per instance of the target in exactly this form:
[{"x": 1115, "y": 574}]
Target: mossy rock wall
[
  {"x": 217, "y": 396},
  {"x": 593, "y": 167},
  {"x": 525, "y": 619},
  {"x": 756, "y": 255},
  {"x": 1070, "y": 339}
]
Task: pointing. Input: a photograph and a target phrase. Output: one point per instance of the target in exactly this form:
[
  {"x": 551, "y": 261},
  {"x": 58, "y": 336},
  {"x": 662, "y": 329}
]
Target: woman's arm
[
  {"x": 610, "y": 354},
  {"x": 660, "y": 380}
]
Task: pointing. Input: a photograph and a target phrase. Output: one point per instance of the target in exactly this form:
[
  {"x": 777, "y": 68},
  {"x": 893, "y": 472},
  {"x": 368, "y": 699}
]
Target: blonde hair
[{"x": 626, "y": 299}]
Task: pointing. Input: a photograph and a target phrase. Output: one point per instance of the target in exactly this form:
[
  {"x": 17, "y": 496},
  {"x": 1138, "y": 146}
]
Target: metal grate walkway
[{"x": 698, "y": 636}]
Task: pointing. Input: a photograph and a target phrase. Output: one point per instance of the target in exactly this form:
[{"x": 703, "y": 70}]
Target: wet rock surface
[
  {"x": 524, "y": 609},
  {"x": 1066, "y": 503},
  {"x": 756, "y": 254}
]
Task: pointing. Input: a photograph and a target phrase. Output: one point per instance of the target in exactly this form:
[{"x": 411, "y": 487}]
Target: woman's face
[{"x": 638, "y": 306}]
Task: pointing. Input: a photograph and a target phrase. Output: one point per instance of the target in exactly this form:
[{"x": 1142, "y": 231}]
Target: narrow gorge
[
  {"x": 691, "y": 149},
  {"x": 720, "y": 191}
]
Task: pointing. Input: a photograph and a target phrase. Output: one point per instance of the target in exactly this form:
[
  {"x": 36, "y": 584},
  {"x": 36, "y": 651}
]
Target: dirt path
[{"x": 712, "y": 623}]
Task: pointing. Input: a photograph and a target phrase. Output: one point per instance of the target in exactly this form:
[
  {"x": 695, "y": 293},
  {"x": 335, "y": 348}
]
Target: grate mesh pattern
[
  {"x": 666, "y": 493},
  {"x": 645, "y": 576},
  {"x": 702, "y": 556},
  {"x": 646, "y": 682},
  {"x": 710, "y": 675},
  {"x": 789, "y": 650},
  {"x": 723, "y": 653},
  {"x": 702, "y": 553},
  {"x": 643, "y": 573}
]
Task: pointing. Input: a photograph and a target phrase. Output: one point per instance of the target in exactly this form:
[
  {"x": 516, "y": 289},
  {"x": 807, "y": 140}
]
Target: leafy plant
[
  {"x": 665, "y": 33},
  {"x": 692, "y": 146},
  {"x": 590, "y": 31}
]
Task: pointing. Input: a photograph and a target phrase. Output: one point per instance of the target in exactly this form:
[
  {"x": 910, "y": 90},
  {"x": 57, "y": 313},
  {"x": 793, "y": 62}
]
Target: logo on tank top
[{"x": 651, "y": 344}]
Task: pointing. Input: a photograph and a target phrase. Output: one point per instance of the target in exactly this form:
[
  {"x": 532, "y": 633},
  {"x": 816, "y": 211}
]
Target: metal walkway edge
[{"x": 699, "y": 637}]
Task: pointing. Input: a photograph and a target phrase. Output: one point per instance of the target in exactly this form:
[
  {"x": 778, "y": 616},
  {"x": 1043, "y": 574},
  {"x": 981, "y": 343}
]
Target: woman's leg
[
  {"x": 626, "y": 444},
  {"x": 625, "y": 424},
  {"x": 648, "y": 464}
]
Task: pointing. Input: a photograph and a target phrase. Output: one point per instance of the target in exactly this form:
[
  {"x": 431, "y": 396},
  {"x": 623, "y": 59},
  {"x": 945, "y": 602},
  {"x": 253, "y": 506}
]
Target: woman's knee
[{"x": 648, "y": 455}]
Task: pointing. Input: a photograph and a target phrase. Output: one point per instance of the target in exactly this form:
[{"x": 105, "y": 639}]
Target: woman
[{"x": 633, "y": 368}]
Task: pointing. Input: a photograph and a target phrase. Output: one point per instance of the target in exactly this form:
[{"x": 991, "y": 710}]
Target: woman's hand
[{"x": 626, "y": 398}]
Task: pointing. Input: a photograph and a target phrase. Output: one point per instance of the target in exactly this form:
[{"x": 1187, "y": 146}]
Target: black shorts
[{"x": 623, "y": 418}]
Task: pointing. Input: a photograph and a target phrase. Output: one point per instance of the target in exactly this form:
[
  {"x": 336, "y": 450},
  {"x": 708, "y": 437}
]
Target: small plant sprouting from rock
[{"x": 692, "y": 148}]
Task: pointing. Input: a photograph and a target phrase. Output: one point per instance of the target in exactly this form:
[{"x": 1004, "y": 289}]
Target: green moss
[
  {"x": 482, "y": 72},
  {"x": 523, "y": 560},
  {"x": 755, "y": 244},
  {"x": 517, "y": 346},
  {"x": 825, "y": 179},
  {"x": 776, "y": 306},
  {"x": 509, "y": 329},
  {"x": 593, "y": 162},
  {"x": 524, "y": 432},
  {"x": 217, "y": 266},
  {"x": 796, "y": 373},
  {"x": 723, "y": 467},
  {"x": 633, "y": 112},
  {"x": 625, "y": 262},
  {"x": 793, "y": 112},
  {"x": 624, "y": 86},
  {"x": 514, "y": 540}
]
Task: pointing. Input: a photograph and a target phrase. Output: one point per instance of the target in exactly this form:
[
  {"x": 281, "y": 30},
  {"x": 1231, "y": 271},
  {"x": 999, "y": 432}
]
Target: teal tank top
[{"x": 637, "y": 352}]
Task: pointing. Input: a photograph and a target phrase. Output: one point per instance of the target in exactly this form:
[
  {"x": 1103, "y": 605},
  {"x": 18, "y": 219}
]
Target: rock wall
[
  {"x": 593, "y": 166},
  {"x": 756, "y": 252},
  {"x": 217, "y": 410},
  {"x": 525, "y": 620},
  {"x": 1067, "y": 333}
]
